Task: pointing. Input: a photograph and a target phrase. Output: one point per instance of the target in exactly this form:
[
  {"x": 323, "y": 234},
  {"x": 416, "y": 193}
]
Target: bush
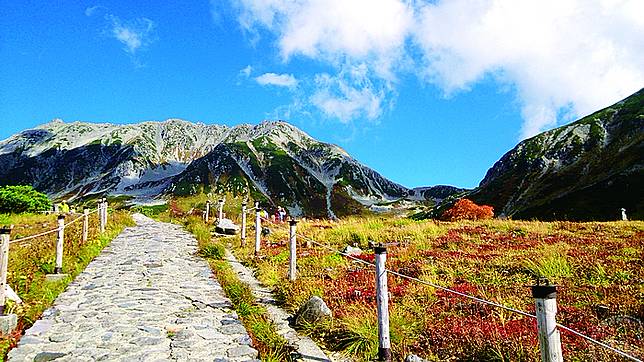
[
  {"x": 20, "y": 199},
  {"x": 465, "y": 209},
  {"x": 214, "y": 251}
]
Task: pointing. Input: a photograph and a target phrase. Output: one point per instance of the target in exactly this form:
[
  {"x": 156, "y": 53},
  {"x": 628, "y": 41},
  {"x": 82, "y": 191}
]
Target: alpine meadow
[{"x": 341, "y": 180}]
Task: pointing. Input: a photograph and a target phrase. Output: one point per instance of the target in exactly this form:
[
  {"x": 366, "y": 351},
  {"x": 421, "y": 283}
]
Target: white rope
[
  {"x": 338, "y": 251},
  {"x": 33, "y": 236},
  {"x": 462, "y": 294},
  {"x": 26, "y": 238},
  {"x": 621, "y": 353},
  {"x": 73, "y": 221},
  {"x": 428, "y": 283}
]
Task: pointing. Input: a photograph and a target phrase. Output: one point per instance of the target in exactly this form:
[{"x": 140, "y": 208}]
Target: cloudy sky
[{"x": 425, "y": 92}]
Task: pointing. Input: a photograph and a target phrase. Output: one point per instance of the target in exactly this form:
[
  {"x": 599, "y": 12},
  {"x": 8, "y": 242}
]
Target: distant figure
[
  {"x": 624, "y": 214},
  {"x": 64, "y": 207},
  {"x": 281, "y": 213}
]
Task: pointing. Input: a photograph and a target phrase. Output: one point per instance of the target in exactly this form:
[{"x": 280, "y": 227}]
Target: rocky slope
[
  {"x": 273, "y": 160},
  {"x": 434, "y": 193},
  {"x": 278, "y": 162},
  {"x": 586, "y": 170}
]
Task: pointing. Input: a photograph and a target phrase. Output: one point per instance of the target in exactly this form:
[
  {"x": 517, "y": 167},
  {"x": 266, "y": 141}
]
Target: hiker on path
[
  {"x": 282, "y": 213},
  {"x": 64, "y": 207}
]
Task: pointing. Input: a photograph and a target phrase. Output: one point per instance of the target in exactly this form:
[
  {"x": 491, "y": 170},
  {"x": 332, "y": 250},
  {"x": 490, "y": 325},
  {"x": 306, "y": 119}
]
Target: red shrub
[{"x": 465, "y": 209}]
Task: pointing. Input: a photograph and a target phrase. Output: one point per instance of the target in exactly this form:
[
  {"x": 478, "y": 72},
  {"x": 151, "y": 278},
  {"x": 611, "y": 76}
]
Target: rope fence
[
  {"x": 5, "y": 242},
  {"x": 473, "y": 298},
  {"x": 544, "y": 296}
]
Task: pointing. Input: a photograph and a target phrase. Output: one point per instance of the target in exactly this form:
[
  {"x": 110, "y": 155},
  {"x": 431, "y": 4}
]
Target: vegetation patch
[
  {"x": 491, "y": 259},
  {"x": 21, "y": 199}
]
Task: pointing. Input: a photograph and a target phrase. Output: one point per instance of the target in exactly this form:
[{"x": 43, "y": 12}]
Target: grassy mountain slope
[{"x": 586, "y": 170}]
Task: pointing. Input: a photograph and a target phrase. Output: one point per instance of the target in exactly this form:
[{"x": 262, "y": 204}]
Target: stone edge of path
[{"x": 307, "y": 349}]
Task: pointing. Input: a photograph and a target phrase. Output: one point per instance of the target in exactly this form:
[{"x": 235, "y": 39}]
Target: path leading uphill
[{"x": 147, "y": 297}]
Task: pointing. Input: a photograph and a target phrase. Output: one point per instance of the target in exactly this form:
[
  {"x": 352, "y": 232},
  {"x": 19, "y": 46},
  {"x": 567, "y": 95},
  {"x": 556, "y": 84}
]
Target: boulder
[
  {"x": 226, "y": 226},
  {"x": 352, "y": 250},
  {"x": 414, "y": 358},
  {"x": 313, "y": 311}
]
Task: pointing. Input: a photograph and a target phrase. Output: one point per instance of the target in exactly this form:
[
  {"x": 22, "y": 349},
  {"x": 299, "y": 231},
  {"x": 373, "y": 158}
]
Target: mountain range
[
  {"x": 273, "y": 161},
  {"x": 587, "y": 170}
]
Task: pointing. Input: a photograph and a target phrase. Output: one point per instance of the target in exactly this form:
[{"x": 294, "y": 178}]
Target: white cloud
[
  {"x": 349, "y": 95},
  {"x": 246, "y": 71},
  {"x": 279, "y": 80},
  {"x": 334, "y": 29},
  {"x": 563, "y": 58},
  {"x": 90, "y": 11},
  {"x": 134, "y": 34}
]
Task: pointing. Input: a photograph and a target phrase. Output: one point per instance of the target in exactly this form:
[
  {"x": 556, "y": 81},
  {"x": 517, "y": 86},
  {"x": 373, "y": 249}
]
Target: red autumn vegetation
[{"x": 465, "y": 209}]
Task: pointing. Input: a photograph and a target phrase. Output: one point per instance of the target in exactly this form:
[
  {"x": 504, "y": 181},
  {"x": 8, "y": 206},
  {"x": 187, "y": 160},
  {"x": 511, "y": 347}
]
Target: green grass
[
  {"x": 151, "y": 211},
  {"x": 552, "y": 264},
  {"x": 271, "y": 346}
]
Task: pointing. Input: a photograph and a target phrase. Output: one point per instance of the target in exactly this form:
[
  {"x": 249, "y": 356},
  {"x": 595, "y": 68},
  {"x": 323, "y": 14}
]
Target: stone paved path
[{"x": 147, "y": 297}]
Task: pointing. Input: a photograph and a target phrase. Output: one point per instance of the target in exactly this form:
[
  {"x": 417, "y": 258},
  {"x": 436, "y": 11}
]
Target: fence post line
[
  {"x": 207, "y": 214},
  {"x": 382, "y": 299},
  {"x": 5, "y": 234},
  {"x": 221, "y": 209},
  {"x": 243, "y": 225},
  {"x": 105, "y": 212},
  {"x": 100, "y": 217},
  {"x": 292, "y": 246},
  {"x": 85, "y": 224},
  {"x": 258, "y": 229},
  {"x": 545, "y": 297},
  {"x": 59, "y": 245}
]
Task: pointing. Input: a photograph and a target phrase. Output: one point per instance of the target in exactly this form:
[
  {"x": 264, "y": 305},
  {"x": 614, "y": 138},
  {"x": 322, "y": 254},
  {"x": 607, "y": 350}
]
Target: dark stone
[{"x": 48, "y": 356}]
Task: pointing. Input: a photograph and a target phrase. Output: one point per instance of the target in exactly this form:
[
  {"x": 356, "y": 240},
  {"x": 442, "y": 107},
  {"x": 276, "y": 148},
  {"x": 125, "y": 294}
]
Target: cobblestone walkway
[{"x": 147, "y": 297}]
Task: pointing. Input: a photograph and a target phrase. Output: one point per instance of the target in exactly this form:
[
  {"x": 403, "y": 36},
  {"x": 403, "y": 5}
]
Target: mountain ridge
[
  {"x": 586, "y": 170},
  {"x": 146, "y": 159}
]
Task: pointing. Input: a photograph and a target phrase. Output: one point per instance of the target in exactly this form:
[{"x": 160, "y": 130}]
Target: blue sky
[{"x": 423, "y": 92}]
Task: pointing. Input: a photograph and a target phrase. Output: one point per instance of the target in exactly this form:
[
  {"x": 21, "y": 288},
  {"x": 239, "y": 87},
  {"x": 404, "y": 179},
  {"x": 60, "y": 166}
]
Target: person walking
[
  {"x": 64, "y": 207},
  {"x": 282, "y": 213}
]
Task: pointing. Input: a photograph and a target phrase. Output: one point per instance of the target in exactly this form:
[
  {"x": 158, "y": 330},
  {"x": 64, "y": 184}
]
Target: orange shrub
[{"x": 465, "y": 209}]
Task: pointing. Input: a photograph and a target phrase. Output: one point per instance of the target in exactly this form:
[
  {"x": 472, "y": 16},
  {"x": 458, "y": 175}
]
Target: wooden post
[
  {"x": 243, "y": 225},
  {"x": 382, "y": 299},
  {"x": 85, "y": 224},
  {"x": 59, "y": 245},
  {"x": 100, "y": 217},
  {"x": 206, "y": 216},
  {"x": 221, "y": 209},
  {"x": 258, "y": 229},
  {"x": 545, "y": 297},
  {"x": 5, "y": 234},
  {"x": 292, "y": 256},
  {"x": 105, "y": 212}
]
